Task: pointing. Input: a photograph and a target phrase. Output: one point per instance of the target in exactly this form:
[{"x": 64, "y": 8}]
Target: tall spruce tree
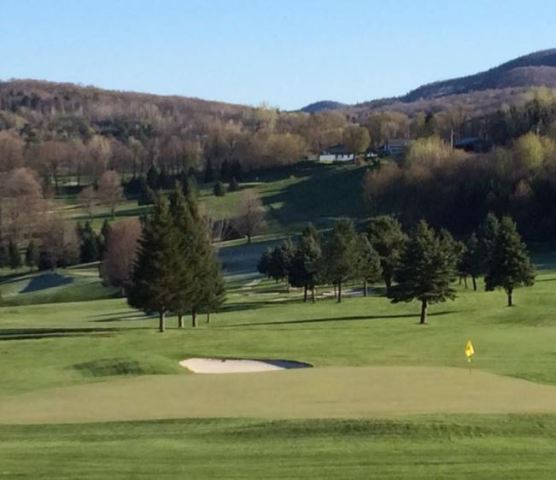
[
  {"x": 427, "y": 269},
  {"x": 487, "y": 235},
  {"x": 31, "y": 255},
  {"x": 88, "y": 244},
  {"x": 14, "y": 257},
  {"x": 509, "y": 265},
  {"x": 187, "y": 262},
  {"x": 367, "y": 266},
  {"x": 340, "y": 254},
  {"x": 306, "y": 262},
  {"x": 388, "y": 239},
  {"x": 3, "y": 255},
  {"x": 154, "y": 276},
  {"x": 473, "y": 262},
  {"x": 214, "y": 290}
]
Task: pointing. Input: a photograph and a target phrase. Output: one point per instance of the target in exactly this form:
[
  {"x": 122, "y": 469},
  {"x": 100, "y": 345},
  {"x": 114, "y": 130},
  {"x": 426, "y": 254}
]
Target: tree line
[{"x": 420, "y": 265}]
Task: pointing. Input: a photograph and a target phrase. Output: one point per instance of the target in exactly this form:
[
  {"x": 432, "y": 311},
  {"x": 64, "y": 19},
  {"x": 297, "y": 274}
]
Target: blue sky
[{"x": 284, "y": 52}]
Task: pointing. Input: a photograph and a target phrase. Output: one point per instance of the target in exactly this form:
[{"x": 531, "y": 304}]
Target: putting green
[{"x": 335, "y": 392}]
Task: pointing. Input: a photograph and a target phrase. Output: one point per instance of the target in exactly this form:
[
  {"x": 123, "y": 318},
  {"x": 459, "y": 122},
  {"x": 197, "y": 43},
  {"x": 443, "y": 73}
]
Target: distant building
[
  {"x": 395, "y": 147},
  {"x": 336, "y": 153}
]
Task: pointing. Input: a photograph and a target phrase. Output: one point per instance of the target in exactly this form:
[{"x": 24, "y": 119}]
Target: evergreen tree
[
  {"x": 234, "y": 185},
  {"x": 154, "y": 277},
  {"x": 31, "y": 255},
  {"x": 146, "y": 194},
  {"x": 509, "y": 265},
  {"x": 275, "y": 263},
  {"x": 152, "y": 178},
  {"x": 209, "y": 172},
  {"x": 219, "y": 190},
  {"x": 102, "y": 237},
  {"x": 387, "y": 238},
  {"x": 188, "y": 260},
  {"x": 488, "y": 233},
  {"x": 225, "y": 171},
  {"x": 367, "y": 266},
  {"x": 190, "y": 189},
  {"x": 14, "y": 257},
  {"x": 163, "y": 180},
  {"x": 305, "y": 264},
  {"x": 236, "y": 170},
  {"x": 427, "y": 268},
  {"x": 3, "y": 255},
  {"x": 473, "y": 262},
  {"x": 214, "y": 289},
  {"x": 264, "y": 264},
  {"x": 340, "y": 254},
  {"x": 88, "y": 244}
]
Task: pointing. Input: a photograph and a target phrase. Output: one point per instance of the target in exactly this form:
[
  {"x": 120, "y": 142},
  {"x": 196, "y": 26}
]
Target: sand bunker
[{"x": 230, "y": 365}]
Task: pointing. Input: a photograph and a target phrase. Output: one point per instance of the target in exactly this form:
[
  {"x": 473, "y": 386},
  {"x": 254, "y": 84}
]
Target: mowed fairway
[
  {"x": 333, "y": 392},
  {"x": 90, "y": 390}
]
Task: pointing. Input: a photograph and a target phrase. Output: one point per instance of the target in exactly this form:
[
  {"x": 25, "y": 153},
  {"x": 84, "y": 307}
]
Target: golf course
[{"x": 383, "y": 397}]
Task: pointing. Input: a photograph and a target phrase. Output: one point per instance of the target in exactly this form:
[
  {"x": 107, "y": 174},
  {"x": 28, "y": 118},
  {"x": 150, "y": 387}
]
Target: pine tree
[
  {"x": 473, "y": 262},
  {"x": 275, "y": 263},
  {"x": 264, "y": 264},
  {"x": 14, "y": 257},
  {"x": 234, "y": 185},
  {"x": 219, "y": 190},
  {"x": 146, "y": 194},
  {"x": 209, "y": 172},
  {"x": 213, "y": 286},
  {"x": 163, "y": 180},
  {"x": 487, "y": 235},
  {"x": 188, "y": 261},
  {"x": 387, "y": 238},
  {"x": 88, "y": 244},
  {"x": 509, "y": 265},
  {"x": 102, "y": 238},
  {"x": 154, "y": 276},
  {"x": 3, "y": 255},
  {"x": 427, "y": 269},
  {"x": 306, "y": 263},
  {"x": 224, "y": 170},
  {"x": 31, "y": 255},
  {"x": 152, "y": 178},
  {"x": 340, "y": 254},
  {"x": 367, "y": 266}
]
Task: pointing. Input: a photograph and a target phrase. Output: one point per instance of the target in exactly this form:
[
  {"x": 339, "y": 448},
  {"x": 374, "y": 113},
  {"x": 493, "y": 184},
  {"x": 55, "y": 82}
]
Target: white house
[{"x": 336, "y": 153}]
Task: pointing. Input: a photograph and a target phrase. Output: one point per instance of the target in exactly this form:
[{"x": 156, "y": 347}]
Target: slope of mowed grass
[
  {"x": 40, "y": 345},
  {"x": 68, "y": 285},
  {"x": 479, "y": 447},
  {"x": 325, "y": 392}
]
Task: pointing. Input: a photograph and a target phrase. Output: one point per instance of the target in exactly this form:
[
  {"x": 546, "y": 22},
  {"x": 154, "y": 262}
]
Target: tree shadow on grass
[
  {"x": 38, "y": 333},
  {"x": 336, "y": 319},
  {"x": 123, "y": 317},
  {"x": 47, "y": 280}
]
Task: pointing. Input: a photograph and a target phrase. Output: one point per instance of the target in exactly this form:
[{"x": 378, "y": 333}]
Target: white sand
[{"x": 223, "y": 365}]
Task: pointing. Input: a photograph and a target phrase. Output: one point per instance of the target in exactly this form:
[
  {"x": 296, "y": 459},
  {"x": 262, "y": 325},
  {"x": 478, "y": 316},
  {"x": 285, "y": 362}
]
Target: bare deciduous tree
[
  {"x": 22, "y": 204},
  {"x": 251, "y": 219},
  {"x": 11, "y": 150},
  {"x": 110, "y": 189},
  {"x": 88, "y": 198},
  {"x": 121, "y": 248}
]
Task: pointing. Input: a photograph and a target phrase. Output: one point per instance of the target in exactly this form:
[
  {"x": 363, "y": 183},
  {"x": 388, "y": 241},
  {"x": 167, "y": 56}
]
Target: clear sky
[{"x": 284, "y": 52}]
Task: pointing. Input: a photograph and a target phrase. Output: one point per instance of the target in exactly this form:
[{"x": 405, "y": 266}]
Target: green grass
[
  {"x": 292, "y": 196},
  {"x": 484, "y": 447}
]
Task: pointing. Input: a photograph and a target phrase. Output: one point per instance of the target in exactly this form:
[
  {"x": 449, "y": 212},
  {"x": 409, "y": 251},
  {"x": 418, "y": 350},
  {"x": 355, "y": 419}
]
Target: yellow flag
[{"x": 469, "y": 350}]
